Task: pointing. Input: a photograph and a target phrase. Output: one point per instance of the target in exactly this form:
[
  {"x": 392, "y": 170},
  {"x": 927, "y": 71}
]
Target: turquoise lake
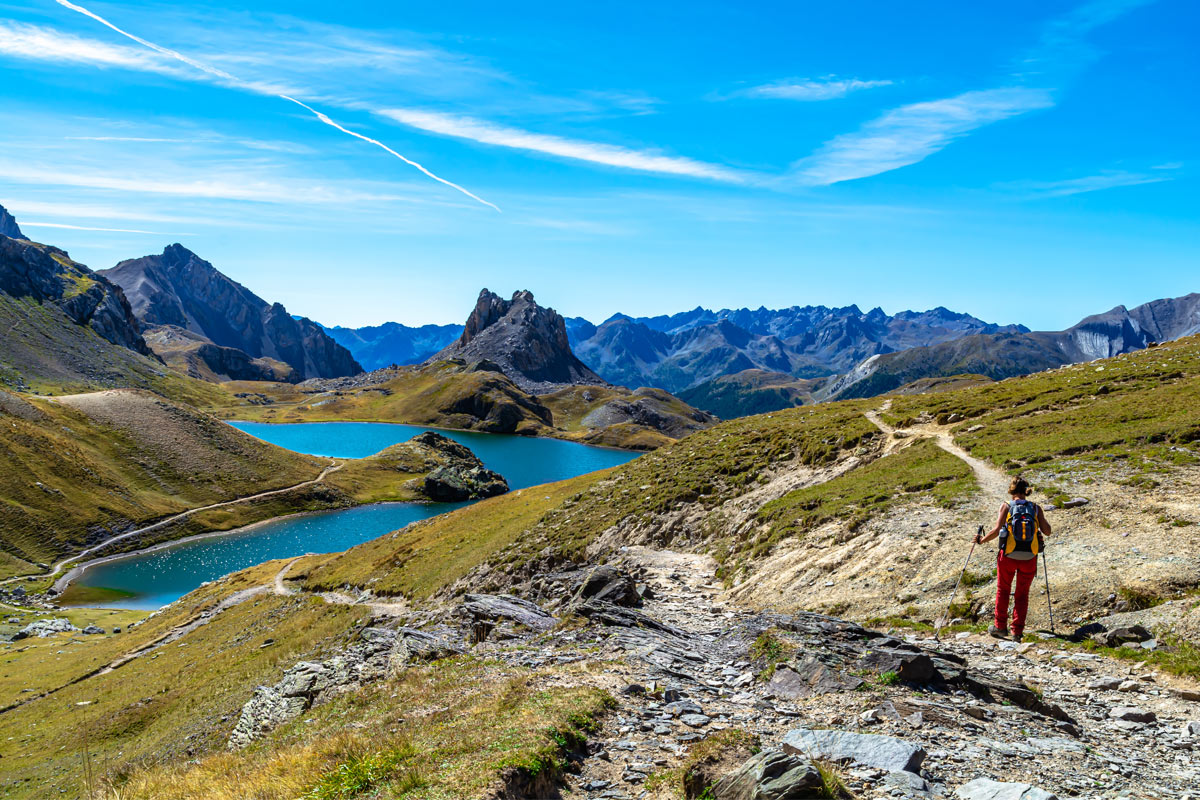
[{"x": 159, "y": 577}]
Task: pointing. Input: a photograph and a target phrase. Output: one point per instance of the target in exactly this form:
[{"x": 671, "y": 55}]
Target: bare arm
[
  {"x": 1043, "y": 525},
  {"x": 994, "y": 532}
]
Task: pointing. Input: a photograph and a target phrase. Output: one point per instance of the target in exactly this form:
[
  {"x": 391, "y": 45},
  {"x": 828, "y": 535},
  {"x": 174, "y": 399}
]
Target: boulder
[
  {"x": 769, "y": 775},
  {"x": 808, "y": 677},
  {"x": 1132, "y": 714},
  {"x": 416, "y": 645},
  {"x": 507, "y": 607},
  {"x": 909, "y": 667},
  {"x": 602, "y": 582},
  {"x": 865, "y": 749},
  {"x": 45, "y": 627},
  {"x": 93, "y": 630},
  {"x": 1120, "y": 636},
  {"x": 988, "y": 789}
]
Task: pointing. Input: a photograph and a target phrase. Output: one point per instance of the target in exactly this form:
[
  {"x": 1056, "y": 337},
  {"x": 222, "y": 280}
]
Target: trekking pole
[
  {"x": 1049, "y": 605},
  {"x": 945, "y": 615}
]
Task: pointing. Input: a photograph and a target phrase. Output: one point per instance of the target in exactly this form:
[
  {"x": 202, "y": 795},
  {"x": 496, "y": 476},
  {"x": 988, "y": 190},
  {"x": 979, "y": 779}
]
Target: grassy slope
[
  {"x": 181, "y": 699},
  {"x": 50, "y": 354},
  {"x": 752, "y": 391},
  {"x": 446, "y": 730},
  {"x": 70, "y": 478}
]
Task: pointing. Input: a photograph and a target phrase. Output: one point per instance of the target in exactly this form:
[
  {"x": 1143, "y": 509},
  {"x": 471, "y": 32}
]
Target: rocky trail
[
  {"x": 992, "y": 481},
  {"x": 899, "y": 715}
]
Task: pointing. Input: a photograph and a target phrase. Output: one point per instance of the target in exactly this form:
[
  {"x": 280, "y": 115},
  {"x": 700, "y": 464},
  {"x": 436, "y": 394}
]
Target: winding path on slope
[
  {"x": 59, "y": 585},
  {"x": 992, "y": 481}
]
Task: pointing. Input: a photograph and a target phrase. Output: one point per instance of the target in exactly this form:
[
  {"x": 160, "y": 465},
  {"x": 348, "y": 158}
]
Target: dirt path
[
  {"x": 60, "y": 584},
  {"x": 992, "y": 481}
]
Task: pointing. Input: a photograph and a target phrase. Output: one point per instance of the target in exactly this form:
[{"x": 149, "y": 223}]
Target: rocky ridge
[
  {"x": 46, "y": 274},
  {"x": 9, "y": 227}
]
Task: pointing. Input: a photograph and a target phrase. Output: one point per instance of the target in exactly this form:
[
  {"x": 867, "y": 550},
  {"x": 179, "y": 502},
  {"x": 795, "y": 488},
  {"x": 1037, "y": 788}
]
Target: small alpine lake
[{"x": 159, "y": 576}]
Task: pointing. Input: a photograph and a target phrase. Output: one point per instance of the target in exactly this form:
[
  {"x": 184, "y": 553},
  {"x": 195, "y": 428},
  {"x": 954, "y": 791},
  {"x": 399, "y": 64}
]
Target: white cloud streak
[
  {"x": 828, "y": 88},
  {"x": 46, "y": 44},
  {"x": 1114, "y": 179},
  {"x": 258, "y": 88},
  {"x": 476, "y": 130},
  {"x": 912, "y": 133},
  {"x": 25, "y": 224}
]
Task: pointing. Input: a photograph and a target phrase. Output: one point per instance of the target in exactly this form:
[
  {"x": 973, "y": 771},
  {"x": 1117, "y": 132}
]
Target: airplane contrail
[{"x": 219, "y": 73}]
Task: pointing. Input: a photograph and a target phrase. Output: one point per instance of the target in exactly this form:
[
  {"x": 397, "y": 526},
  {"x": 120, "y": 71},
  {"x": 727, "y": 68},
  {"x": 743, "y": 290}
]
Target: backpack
[{"x": 1021, "y": 530}]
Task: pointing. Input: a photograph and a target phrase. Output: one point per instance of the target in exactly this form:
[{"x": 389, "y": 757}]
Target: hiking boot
[{"x": 997, "y": 633}]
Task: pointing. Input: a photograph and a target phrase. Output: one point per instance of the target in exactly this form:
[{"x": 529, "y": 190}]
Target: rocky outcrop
[
  {"x": 9, "y": 227},
  {"x": 526, "y": 341},
  {"x": 193, "y": 355},
  {"x": 461, "y": 476},
  {"x": 310, "y": 682},
  {"x": 43, "y": 628},
  {"x": 48, "y": 275},
  {"x": 650, "y": 408},
  {"x": 179, "y": 288}
]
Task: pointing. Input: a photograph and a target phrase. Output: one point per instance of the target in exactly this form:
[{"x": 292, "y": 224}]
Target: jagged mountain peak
[
  {"x": 528, "y": 342},
  {"x": 9, "y": 227}
]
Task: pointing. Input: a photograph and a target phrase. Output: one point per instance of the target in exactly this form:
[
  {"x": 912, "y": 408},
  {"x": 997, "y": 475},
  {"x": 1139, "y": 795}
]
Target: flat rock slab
[
  {"x": 865, "y": 749},
  {"x": 499, "y": 607},
  {"x": 988, "y": 789}
]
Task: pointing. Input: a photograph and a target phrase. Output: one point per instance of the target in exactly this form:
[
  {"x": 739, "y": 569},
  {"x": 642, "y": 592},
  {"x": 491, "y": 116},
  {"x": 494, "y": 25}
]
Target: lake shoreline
[{"x": 77, "y": 571}]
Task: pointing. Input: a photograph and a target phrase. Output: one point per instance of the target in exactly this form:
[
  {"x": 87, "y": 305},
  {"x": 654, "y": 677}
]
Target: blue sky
[{"x": 1026, "y": 162}]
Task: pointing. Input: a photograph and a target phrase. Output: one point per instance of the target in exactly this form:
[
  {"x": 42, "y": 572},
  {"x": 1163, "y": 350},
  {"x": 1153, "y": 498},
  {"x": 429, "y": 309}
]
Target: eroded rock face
[
  {"x": 527, "y": 342},
  {"x": 48, "y": 275},
  {"x": 179, "y": 288}
]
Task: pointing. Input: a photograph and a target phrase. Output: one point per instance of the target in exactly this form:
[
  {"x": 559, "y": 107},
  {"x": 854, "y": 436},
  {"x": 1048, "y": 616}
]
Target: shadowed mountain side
[
  {"x": 191, "y": 354},
  {"x": 181, "y": 289},
  {"x": 8, "y": 225}
]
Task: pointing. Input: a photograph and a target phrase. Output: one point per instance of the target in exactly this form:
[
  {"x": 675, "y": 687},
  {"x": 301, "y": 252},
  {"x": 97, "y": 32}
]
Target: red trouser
[{"x": 1025, "y": 572}]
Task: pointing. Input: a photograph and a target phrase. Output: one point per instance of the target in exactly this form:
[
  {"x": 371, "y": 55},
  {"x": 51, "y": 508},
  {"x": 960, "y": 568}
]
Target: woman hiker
[{"x": 1022, "y": 528}]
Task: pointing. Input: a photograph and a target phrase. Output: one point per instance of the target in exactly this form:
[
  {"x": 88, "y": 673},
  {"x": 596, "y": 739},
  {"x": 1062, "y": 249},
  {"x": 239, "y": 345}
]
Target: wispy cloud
[
  {"x": 484, "y": 132},
  {"x": 828, "y": 88},
  {"x": 1111, "y": 179},
  {"x": 25, "y": 224},
  {"x": 250, "y": 144},
  {"x": 214, "y": 185},
  {"x": 912, "y": 133},
  {"x": 34, "y": 42},
  {"x": 259, "y": 88}
]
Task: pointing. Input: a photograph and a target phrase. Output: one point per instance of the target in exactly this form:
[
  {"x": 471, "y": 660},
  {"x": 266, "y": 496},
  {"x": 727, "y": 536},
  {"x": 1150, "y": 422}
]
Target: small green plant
[
  {"x": 770, "y": 649},
  {"x": 1138, "y": 598},
  {"x": 971, "y": 579},
  {"x": 833, "y": 786},
  {"x": 889, "y": 678},
  {"x": 362, "y": 772}
]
